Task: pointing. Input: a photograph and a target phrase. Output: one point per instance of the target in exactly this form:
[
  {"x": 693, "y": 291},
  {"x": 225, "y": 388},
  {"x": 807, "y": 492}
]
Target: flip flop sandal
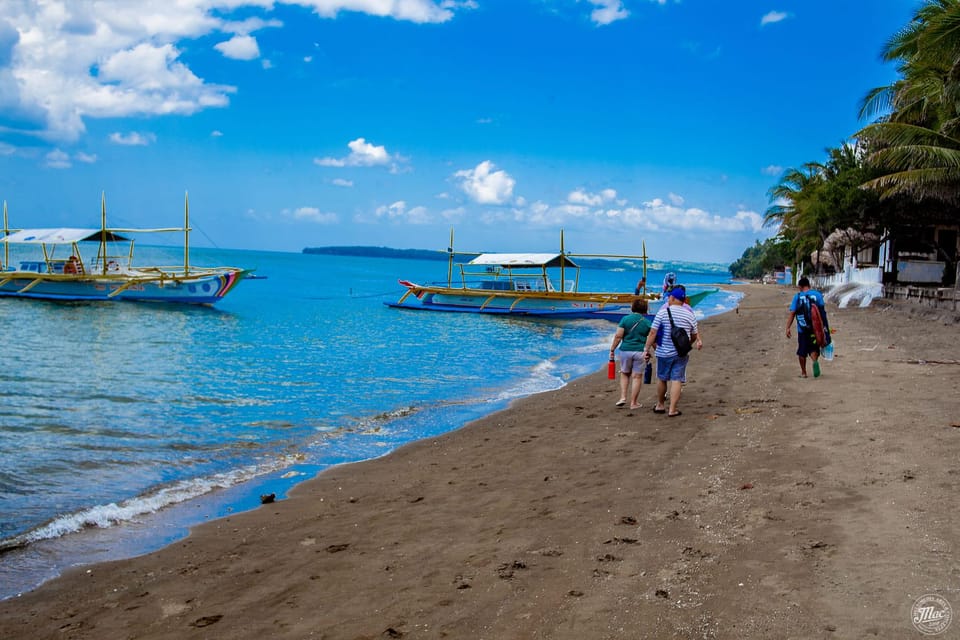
[
  {"x": 674, "y": 415},
  {"x": 655, "y": 410}
]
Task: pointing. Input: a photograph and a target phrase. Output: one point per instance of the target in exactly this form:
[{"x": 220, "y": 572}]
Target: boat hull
[
  {"x": 574, "y": 306},
  {"x": 205, "y": 289}
]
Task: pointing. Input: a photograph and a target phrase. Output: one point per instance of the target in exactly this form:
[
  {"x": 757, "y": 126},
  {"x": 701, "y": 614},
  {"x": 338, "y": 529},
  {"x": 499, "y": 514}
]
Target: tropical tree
[
  {"x": 811, "y": 202},
  {"x": 916, "y": 142}
]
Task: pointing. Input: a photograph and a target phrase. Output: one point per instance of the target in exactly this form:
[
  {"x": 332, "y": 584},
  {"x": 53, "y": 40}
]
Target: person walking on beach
[
  {"x": 669, "y": 282},
  {"x": 671, "y": 368},
  {"x": 631, "y": 336},
  {"x": 806, "y": 338}
]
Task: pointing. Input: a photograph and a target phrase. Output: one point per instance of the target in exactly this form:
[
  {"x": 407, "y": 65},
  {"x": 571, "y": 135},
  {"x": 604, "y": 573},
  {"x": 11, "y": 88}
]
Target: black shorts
[{"x": 806, "y": 343}]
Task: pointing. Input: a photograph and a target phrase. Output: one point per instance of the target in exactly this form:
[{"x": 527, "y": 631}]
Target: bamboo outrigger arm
[
  {"x": 130, "y": 283},
  {"x": 518, "y": 300},
  {"x": 32, "y": 284},
  {"x": 487, "y": 301}
]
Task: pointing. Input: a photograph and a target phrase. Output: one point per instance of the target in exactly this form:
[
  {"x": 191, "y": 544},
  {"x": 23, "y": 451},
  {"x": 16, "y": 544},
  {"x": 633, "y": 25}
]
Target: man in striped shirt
[{"x": 671, "y": 368}]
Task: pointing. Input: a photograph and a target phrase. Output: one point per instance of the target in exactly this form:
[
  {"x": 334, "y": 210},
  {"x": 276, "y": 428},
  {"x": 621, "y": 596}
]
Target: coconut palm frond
[
  {"x": 903, "y": 158},
  {"x": 941, "y": 184},
  {"x": 902, "y": 134}
]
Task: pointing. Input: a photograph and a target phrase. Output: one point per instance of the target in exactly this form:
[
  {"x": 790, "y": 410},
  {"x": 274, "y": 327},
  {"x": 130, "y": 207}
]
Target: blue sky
[{"x": 389, "y": 122}]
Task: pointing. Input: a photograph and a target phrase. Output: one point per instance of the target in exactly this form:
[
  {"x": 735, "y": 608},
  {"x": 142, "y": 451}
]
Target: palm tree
[{"x": 916, "y": 143}]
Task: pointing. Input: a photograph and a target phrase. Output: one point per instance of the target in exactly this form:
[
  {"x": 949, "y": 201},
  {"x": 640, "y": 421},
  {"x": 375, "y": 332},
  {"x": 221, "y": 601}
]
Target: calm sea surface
[{"x": 122, "y": 424}]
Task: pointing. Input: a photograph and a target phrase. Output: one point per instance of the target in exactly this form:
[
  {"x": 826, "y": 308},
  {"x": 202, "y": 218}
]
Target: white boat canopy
[
  {"x": 523, "y": 260},
  {"x": 58, "y": 236}
]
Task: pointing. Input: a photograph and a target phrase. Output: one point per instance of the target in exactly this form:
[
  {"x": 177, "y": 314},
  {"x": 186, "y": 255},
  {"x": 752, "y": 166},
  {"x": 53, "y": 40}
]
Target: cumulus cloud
[
  {"x": 485, "y": 185},
  {"x": 579, "y": 196},
  {"x": 76, "y": 61},
  {"x": 312, "y": 214},
  {"x": 132, "y": 139},
  {"x": 57, "y": 159},
  {"x": 398, "y": 211},
  {"x": 657, "y": 215},
  {"x": 608, "y": 11},
  {"x": 239, "y": 47},
  {"x": 773, "y": 17},
  {"x": 772, "y": 170},
  {"x": 362, "y": 154},
  {"x": 421, "y": 11},
  {"x": 340, "y": 182}
]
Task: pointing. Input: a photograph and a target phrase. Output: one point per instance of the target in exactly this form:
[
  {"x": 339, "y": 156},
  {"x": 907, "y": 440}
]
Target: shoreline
[
  {"x": 775, "y": 507},
  {"x": 152, "y": 531}
]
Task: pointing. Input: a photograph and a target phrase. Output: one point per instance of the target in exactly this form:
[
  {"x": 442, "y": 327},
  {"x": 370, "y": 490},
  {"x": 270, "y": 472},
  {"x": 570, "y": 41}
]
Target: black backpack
[{"x": 681, "y": 341}]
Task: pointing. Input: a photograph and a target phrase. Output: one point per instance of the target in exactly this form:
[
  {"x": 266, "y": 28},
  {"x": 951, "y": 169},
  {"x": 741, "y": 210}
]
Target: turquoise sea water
[{"x": 122, "y": 424}]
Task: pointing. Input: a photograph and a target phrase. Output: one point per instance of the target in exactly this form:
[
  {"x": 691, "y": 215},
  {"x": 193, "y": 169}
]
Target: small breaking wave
[{"x": 112, "y": 514}]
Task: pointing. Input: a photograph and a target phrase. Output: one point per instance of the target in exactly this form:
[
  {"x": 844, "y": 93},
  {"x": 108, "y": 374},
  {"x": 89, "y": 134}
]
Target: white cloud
[
  {"x": 133, "y": 139},
  {"x": 239, "y": 47},
  {"x": 421, "y": 11},
  {"x": 312, "y": 214},
  {"x": 88, "y": 158},
  {"x": 63, "y": 63},
  {"x": 484, "y": 185},
  {"x": 657, "y": 215},
  {"x": 773, "y": 17},
  {"x": 608, "y": 11},
  {"x": 216, "y": 133},
  {"x": 340, "y": 182},
  {"x": 362, "y": 154},
  {"x": 772, "y": 170},
  {"x": 57, "y": 159},
  {"x": 579, "y": 196},
  {"x": 398, "y": 211}
]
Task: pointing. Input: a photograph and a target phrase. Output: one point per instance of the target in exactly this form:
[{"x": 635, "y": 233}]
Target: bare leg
[
  {"x": 624, "y": 382},
  {"x": 803, "y": 365},
  {"x": 675, "y": 387},
  {"x": 636, "y": 382},
  {"x": 661, "y": 393}
]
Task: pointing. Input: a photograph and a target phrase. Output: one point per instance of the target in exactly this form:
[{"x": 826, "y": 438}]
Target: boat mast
[
  {"x": 562, "y": 260},
  {"x": 6, "y": 232},
  {"x": 450, "y": 261},
  {"x": 644, "y": 256},
  {"x": 186, "y": 233},
  {"x": 103, "y": 231}
]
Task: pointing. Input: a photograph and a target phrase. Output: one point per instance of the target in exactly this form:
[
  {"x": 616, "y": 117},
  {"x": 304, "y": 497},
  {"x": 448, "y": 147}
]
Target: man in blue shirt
[{"x": 806, "y": 339}]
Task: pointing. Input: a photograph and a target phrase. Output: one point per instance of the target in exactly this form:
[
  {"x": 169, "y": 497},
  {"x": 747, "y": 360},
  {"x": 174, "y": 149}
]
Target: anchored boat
[
  {"x": 523, "y": 284},
  {"x": 97, "y": 265}
]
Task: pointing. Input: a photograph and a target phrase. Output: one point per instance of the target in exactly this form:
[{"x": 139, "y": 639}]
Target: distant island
[
  {"x": 382, "y": 252},
  {"x": 586, "y": 263}
]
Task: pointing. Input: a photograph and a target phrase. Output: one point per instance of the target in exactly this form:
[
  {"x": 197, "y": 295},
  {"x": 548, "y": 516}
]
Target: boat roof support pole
[
  {"x": 450, "y": 261},
  {"x": 6, "y": 232},
  {"x": 103, "y": 232},
  {"x": 186, "y": 233},
  {"x": 562, "y": 260}
]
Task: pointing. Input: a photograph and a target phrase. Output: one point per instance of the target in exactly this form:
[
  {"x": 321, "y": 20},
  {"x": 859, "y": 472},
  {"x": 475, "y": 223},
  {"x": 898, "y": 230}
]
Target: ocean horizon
[{"x": 125, "y": 423}]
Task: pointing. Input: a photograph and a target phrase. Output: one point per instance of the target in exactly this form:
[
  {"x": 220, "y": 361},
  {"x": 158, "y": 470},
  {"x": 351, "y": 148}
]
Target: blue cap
[{"x": 678, "y": 293}]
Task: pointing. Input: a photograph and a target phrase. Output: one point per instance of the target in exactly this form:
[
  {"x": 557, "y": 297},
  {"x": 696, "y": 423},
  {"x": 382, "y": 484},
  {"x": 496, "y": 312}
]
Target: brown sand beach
[{"x": 774, "y": 507}]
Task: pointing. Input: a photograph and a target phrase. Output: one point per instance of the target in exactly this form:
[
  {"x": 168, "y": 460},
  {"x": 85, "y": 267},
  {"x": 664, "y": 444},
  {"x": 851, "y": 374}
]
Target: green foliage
[
  {"x": 904, "y": 169},
  {"x": 762, "y": 258}
]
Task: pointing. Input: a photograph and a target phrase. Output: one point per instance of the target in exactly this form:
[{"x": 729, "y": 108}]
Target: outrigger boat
[
  {"x": 520, "y": 284},
  {"x": 60, "y": 264}
]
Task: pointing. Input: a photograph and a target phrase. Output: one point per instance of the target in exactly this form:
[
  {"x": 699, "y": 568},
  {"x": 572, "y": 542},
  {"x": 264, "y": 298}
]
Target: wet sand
[{"x": 774, "y": 507}]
